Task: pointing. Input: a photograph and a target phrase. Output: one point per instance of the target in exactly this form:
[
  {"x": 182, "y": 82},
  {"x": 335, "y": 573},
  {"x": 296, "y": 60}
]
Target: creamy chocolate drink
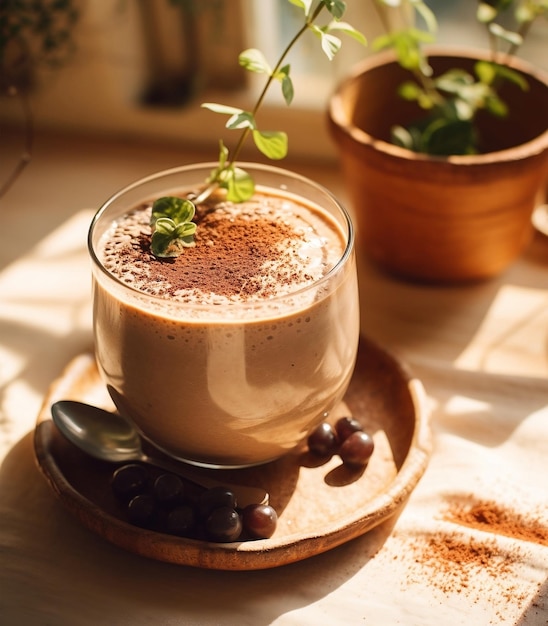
[{"x": 229, "y": 354}]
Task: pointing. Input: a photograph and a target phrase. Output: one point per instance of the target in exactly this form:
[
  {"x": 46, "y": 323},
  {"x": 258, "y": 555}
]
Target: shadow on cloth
[{"x": 55, "y": 571}]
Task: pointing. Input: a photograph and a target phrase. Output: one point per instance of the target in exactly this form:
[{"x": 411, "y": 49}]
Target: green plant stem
[
  {"x": 429, "y": 87},
  {"x": 512, "y": 50},
  {"x": 205, "y": 193},
  {"x": 493, "y": 44},
  {"x": 263, "y": 93},
  {"x": 422, "y": 79},
  {"x": 522, "y": 32}
]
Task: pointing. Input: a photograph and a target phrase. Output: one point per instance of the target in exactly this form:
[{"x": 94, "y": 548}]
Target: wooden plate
[{"x": 319, "y": 505}]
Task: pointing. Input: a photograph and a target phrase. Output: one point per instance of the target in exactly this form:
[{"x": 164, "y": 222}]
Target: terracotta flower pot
[{"x": 439, "y": 219}]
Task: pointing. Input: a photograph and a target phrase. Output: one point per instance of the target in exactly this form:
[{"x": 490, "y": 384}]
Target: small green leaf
[
  {"x": 454, "y": 80},
  {"x": 409, "y": 58},
  {"x": 178, "y": 210},
  {"x": 239, "y": 185},
  {"x": 418, "y": 36},
  {"x": 524, "y": 14},
  {"x": 407, "y": 46},
  {"x": 287, "y": 89},
  {"x": 282, "y": 72},
  {"x": 282, "y": 75},
  {"x": 485, "y": 71},
  {"x": 330, "y": 44},
  {"x": 272, "y": 144},
  {"x": 254, "y": 61},
  {"x": 512, "y": 38},
  {"x": 496, "y": 106},
  {"x": 425, "y": 101},
  {"x": 446, "y": 137},
  {"x": 382, "y": 42},
  {"x": 169, "y": 240},
  {"x": 513, "y": 76},
  {"x": 464, "y": 109},
  {"x": 216, "y": 172},
  {"x": 223, "y": 154},
  {"x": 243, "y": 119},
  {"x": 185, "y": 232},
  {"x": 336, "y": 8},
  {"x": 165, "y": 226},
  {"x": 427, "y": 15},
  {"x": 305, "y": 5},
  {"x": 485, "y": 13},
  {"x": 347, "y": 29},
  {"x": 409, "y": 90},
  {"x": 165, "y": 246},
  {"x": 400, "y": 136},
  {"x": 221, "y": 108},
  {"x": 467, "y": 99}
]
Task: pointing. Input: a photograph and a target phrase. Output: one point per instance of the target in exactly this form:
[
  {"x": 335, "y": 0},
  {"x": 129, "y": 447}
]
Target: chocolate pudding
[{"x": 227, "y": 355}]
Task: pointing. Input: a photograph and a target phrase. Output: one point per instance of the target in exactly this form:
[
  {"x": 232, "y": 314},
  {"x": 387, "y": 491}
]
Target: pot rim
[{"x": 339, "y": 121}]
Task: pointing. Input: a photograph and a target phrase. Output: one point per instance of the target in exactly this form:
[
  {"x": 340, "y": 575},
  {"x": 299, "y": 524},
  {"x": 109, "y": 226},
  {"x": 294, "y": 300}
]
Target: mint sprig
[{"x": 173, "y": 228}]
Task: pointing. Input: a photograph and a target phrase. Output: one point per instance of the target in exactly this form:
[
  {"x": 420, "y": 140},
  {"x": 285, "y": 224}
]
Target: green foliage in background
[{"x": 452, "y": 100}]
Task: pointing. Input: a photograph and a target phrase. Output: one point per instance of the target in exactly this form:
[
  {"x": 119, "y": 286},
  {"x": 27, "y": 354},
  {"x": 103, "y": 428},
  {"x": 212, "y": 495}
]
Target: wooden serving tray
[{"x": 320, "y": 505}]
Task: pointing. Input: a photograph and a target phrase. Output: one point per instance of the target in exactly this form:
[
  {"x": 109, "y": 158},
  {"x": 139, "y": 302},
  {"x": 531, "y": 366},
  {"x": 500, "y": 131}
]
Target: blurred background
[{"x": 140, "y": 68}]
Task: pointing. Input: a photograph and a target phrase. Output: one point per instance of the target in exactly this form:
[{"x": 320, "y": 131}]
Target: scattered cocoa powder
[
  {"x": 454, "y": 560},
  {"x": 479, "y": 566},
  {"x": 491, "y": 517}
]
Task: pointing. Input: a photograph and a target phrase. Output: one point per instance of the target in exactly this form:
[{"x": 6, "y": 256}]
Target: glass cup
[{"x": 234, "y": 385}]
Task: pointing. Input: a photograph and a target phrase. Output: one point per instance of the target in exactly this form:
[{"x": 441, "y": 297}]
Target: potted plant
[{"x": 445, "y": 152}]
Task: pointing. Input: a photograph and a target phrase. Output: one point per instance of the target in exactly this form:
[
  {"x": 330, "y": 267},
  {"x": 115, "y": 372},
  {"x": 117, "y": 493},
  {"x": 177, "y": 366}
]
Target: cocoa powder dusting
[
  {"x": 244, "y": 252},
  {"x": 480, "y": 567},
  {"x": 209, "y": 265}
]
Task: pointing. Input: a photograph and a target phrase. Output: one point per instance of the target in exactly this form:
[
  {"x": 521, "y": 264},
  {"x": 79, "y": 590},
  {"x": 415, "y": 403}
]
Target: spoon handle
[{"x": 244, "y": 493}]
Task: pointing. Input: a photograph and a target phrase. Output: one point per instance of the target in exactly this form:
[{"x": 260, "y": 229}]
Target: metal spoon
[{"x": 109, "y": 437}]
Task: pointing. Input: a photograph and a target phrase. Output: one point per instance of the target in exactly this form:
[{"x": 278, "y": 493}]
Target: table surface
[{"x": 469, "y": 547}]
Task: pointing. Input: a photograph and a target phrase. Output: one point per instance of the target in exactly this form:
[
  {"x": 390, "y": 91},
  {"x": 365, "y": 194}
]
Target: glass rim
[{"x": 233, "y": 305}]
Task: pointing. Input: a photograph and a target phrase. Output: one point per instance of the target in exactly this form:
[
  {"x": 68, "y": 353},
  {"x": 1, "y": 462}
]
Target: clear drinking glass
[{"x": 233, "y": 385}]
